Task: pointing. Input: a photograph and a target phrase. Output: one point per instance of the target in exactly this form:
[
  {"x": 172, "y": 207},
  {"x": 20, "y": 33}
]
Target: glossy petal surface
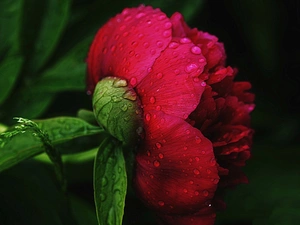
[
  {"x": 176, "y": 170},
  {"x": 173, "y": 85},
  {"x": 128, "y": 44}
]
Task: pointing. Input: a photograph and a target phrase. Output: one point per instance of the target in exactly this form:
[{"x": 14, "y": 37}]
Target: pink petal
[
  {"x": 173, "y": 85},
  {"x": 176, "y": 171},
  {"x": 128, "y": 44}
]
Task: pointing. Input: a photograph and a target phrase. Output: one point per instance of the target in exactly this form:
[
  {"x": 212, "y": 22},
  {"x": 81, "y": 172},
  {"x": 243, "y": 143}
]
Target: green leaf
[
  {"x": 110, "y": 183},
  {"x": 24, "y": 145},
  {"x": 43, "y": 24},
  {"x": 9, "y": 71},
  {"x": 10, "y": 22}
]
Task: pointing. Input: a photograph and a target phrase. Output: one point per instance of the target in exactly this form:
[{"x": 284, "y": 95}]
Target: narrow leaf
[
  {"x": 110, "y": 183},
  {"x": 18, "y": 146}
]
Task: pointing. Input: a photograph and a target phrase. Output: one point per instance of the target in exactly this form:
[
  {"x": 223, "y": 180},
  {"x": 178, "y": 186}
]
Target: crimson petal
[
  {"x": 176, "y": 171},
  {"x": 128, "y": 44},
  {"x": 173, "y": 85}
]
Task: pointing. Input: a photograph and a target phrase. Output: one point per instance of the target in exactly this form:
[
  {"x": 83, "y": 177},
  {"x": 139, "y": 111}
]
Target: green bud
[{"x": 118, "y": 109}]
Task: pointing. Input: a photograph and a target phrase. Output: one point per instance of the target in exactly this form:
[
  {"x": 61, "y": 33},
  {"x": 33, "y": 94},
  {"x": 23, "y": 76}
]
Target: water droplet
[
  {"x": 177, "y": 71},
  {"x": 158, "y": 145},
  {"x": 102, "y": 197},
  {"x": 122, "y": 27},
  {"x": 196, "y": 172},
  {"x": 173, "y": 45},
  {"x": 161, "y": 203},
  {"x": 203, "y": 152},
  {"x": 185, "y": 40},
  {"x": 124, "y": 108},
  {"x": 153, "y": 51},
  {"x": 161, "y": 17},
  {"x": 158, "y": 108},
  {"x": 191, "y": 67},
  {"x": 159, "y": 75},
  {"x": 168, "y": 25},
  {"x": 185, "y": 148},
  {"x": 208, "y": 171},
  {"x": 140, "y": 15},
  {"x": 205, "y": 193},
  {"x": 137, "y": 56},
  {"x": 151, "y": 176},
  {"x": 140, "y": 36},
  {"x": 159, "y": 44},
  {"x": 187, "y": 131},
  {"x": 156, "y": 163},
  {"x": 167, "y": 33},
  {"x": 127, "y": 18},
  {"x": 201, "y": 60},
  {"x": 104, "y": 181},
  {"x": 104, "y": 50},
  {"x": 125, "y": 34},
  {"x": 198, "y": 139},
  {"x": 191, "y": 182},
  {"x": 113, "y": 48},
  {"x": 148, "y": 117},
  {"x": 133, "y": 81},
  {"x": 196, "y": 193},
  {"x": 134, "y": 43},
  {"x": 146, "y": 44},
  {"x": 149, "y": 70},
  {"x": 161, "y": 156},
  {"x": 117, "y": 36},
  {"x": 213, "y": 162},
  {"x": 131, "y": 53},
  {"x": 203, "y": 84},
  {"x": 149, "y": 22},
  {"x": 196, "y": 79},
  {"x": 196, "y": 50},
  {"x": 185, "y": 190},
  {"x": 148, "y": 153},
  {"x": 152, "y": 100}
]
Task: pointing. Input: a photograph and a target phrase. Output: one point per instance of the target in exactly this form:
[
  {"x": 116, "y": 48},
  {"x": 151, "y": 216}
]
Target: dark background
[{"x": 262, "y": 39}]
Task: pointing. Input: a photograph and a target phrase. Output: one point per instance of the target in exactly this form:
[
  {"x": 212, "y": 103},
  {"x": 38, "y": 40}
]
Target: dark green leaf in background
[
  {"x": 110, "y": 183},
  {"x": 43, "y": 23}
]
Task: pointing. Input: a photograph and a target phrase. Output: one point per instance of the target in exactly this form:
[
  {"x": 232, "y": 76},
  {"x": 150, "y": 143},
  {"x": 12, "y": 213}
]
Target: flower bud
[{"x": 118, "y": 109}]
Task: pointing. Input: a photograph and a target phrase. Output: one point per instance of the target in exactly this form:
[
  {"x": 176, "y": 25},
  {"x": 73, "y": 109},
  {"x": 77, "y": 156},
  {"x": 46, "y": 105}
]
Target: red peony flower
[{"x": 196, "y": 118}]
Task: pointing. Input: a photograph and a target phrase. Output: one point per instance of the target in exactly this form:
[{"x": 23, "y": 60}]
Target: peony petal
[
  {"x": 206, "y": 219},
  {"x": 128, "y": 44},
  {"x": 173, "y": 85},
  {"x": 176, "y": 171}
]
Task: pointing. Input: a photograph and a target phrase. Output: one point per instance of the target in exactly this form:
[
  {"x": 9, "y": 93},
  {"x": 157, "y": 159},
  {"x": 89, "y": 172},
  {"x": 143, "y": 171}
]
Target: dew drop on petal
[
  {"x": 149, "y": 70},
  {"x": 153, "y": 51},
  {"x": 158, "y": 108},
  {"x": 187, "y": 131},
  {"x": 185, "y": 190},
  {"x": 191, "y": 67},
  {"x": 161, "y": 156},
  {"x": 140, "y": 15},
  {"x": 205, "y": 193},
  {"x": 148, "y": 117},
  {"x": 196, "y": 193},
  {"x": 161, "y": 203},
  {"x": 152, "y": 100},
  {"x": 159, "y": 75},
  {"x": 196, "y": 50},
  {"x": 161, "y": 17},
  {"x": 197, "y": 159},
  {"x": 185, "y": 40},
  {"x": 125, "y": 34},
  {"x": 158, "y": 145},
  {"x": 196, "y": 79},
  {"x": 201, "y": 60},
  {"x": 185, "y": 148},
  {"x": 208, "y": 171},
  {"x": 159, "y": 44},
  {"x": 156, "y": 163},
  {"x": 198, "y": 139},
  {"x": 146, "y": 44},
  {"x": 149, "y": 22},
  {"x": 196, "y": 172},
  {"x": 167, "y": 33},
  {"x": 203, "y": 152},
  {"x": 203, "y": 84},
  {"x": 176, "y": 71},
  {"x": 191, "y": 182},
  {"x": 133, "y": 81},
  {"x": 173, "y": 45},
  {"x": 168, "y": 25}
]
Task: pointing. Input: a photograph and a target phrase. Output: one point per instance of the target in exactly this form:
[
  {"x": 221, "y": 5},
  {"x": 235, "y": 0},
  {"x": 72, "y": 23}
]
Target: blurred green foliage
[{"x": 43, "y": 46}]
